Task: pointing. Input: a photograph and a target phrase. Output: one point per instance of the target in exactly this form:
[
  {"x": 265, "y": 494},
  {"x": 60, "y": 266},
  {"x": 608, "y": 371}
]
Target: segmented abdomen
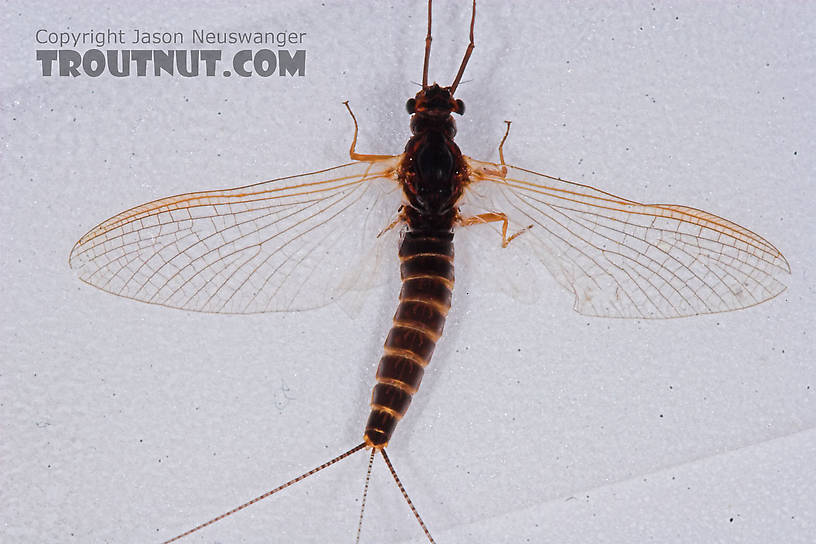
[{"x": 427, "y": 283}]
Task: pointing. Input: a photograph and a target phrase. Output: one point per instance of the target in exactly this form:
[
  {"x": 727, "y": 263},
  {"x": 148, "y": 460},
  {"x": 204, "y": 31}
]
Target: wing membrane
[
  {"x": 283, "y": 244},
  {"x": 621, "y": 258}
]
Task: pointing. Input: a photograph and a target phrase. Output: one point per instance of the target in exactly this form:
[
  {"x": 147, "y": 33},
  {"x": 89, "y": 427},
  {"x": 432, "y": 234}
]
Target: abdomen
[{"x": 427, "y": 282}]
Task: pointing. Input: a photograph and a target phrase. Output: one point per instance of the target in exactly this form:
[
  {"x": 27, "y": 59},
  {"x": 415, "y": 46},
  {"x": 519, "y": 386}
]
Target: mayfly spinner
[{"x": 275, "y": 246}]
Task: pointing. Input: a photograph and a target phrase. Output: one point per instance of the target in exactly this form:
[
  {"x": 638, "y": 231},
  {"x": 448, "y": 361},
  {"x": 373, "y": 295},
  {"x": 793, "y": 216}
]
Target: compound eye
[
  {"x": 460, "y": 107},
  {"x": 410, "y": 106}
]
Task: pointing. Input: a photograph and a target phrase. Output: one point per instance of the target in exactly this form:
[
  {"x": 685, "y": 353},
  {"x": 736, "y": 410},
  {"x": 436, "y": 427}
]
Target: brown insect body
[{"x": 433, "y": 175}]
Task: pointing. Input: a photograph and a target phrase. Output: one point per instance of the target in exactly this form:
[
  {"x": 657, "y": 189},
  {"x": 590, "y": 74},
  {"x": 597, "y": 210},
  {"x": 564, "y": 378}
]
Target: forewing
[
  {"x": 284, "y": 244},
  {"x": 621, "y": 258}
]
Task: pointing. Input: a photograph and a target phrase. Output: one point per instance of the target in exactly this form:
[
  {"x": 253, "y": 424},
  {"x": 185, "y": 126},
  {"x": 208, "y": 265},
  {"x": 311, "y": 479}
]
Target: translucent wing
[
  {"x": 284, "y": 244},
  {"x": 625, "y": 259}
]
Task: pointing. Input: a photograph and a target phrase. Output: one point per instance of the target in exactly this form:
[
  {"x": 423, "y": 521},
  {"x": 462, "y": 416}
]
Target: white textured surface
[{"x": 123, "y": 422}]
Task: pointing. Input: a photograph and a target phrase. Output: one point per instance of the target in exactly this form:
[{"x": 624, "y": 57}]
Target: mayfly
[{"x": 277, "y": 246}]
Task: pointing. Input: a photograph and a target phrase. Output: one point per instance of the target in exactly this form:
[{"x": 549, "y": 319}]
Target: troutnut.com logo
[{"x": 91, "y": 53}]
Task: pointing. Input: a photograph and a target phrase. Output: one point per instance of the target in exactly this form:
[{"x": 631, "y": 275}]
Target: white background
[{"x": 125, "y": 422}]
